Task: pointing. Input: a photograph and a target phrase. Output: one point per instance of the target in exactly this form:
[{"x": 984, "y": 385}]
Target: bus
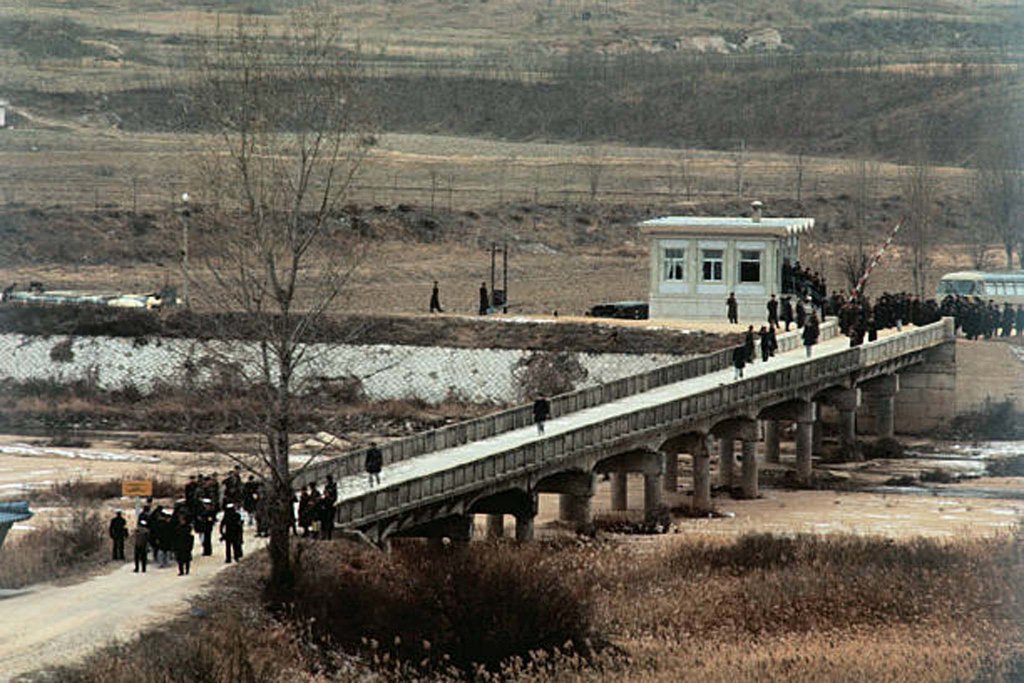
[{"x": 1004, "y": 287}]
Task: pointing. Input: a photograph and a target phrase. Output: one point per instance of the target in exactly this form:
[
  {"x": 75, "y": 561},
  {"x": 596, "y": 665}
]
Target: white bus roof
[{"x": 1004, "y": 276}]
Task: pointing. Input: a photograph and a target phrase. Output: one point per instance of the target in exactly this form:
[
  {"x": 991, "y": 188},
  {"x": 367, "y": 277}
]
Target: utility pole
[{"x": 184, "y": 248}]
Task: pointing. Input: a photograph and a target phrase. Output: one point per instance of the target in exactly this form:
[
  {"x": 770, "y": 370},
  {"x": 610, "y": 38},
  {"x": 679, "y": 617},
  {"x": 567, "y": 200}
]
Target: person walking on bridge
[
  {"x": 732, "y": 308},
  {"x": 374, "y": 463},
  {"x": 739, "y": 361},
  {"x": 810, "y": 333},
  {"x": 541, "y": 412},
  {"x": 773, "y": 311}
]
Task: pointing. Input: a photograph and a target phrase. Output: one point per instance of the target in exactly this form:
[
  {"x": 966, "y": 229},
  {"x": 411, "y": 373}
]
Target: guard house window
[
  {"x": 675, "y": 265},
  {"x": 712, "y": 265},
  {"x": 750, "y": 266}
]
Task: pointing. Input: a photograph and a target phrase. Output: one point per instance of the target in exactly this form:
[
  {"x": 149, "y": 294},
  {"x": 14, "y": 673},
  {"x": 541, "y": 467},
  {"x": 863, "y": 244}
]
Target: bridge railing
[
  {"x": 466, "y": 478},
  {"x": 494, "y": 424}
]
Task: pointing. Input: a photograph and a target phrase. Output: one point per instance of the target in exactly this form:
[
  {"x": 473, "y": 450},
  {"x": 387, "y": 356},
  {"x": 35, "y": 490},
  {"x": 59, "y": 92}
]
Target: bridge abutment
[
  {"x": 927, "y": 395},
  {"x": 880, "y": 399}
]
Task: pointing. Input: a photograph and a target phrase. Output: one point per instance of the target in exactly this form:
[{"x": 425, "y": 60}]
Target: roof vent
[{"x": 755, "y": 211}]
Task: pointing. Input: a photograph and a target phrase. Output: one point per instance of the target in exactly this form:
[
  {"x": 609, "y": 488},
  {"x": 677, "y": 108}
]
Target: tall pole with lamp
[{"x": 184, "y": 248}]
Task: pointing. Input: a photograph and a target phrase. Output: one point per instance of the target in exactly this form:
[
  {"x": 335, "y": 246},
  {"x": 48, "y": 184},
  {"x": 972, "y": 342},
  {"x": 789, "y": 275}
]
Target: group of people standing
[
  {"x": 316, "y": 509},
  {"x": 170, "y": 532}
]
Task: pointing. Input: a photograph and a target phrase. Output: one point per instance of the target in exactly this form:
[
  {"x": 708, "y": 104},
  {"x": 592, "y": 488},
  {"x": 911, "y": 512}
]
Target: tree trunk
[
  {"x": 1009, "y": 256},
  {"x": 282, "y": 576}
]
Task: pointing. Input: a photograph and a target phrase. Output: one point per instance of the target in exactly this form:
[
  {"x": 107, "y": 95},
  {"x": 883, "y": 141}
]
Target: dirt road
[{"x": 51, "y": 624}]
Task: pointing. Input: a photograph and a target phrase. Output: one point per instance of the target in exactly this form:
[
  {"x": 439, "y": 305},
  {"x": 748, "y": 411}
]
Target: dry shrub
[
  {"x": 53, "y": 550},
  {"x": 479, "y": 606},
  {"x": 770, "y": 584},
  {"x": 78, "y": 491}
]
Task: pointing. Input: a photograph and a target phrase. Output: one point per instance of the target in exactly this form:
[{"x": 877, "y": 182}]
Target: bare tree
[
  {"x": 1000, "y": 191},
  {"x": 283, "y": 145},
  {"x": 918, "y": 184},
  {"x": 860, "y": 178}
]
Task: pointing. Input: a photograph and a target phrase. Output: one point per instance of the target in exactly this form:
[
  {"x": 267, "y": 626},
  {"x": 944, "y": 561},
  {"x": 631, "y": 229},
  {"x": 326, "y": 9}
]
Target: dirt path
[{"x": 50, "y": 624}]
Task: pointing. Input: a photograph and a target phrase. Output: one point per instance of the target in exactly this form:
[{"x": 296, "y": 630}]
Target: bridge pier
[
  {"x": 619, "y": 495},
  {"x": 575, "y": 500},
  {"x": 652, "y": 495},
  {"x": 846, "y": 402},
  {"x": 726, "y": 461},
  {"x": 701, "y": 477},
  {"x": 817, "y": 430},
  {"x": 524, "y": 527},
  {"x": 880, "y": 395},
  {"x": 749, "y": 474},
  {"x": 771, "y": 441},
  {"x": 495, "y": 527},
  {"x": 804, "y": 443}
]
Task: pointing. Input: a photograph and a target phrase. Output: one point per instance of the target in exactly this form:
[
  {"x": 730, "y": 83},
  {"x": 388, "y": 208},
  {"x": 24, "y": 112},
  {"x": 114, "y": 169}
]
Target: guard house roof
[{"x": 717, "y": 225}]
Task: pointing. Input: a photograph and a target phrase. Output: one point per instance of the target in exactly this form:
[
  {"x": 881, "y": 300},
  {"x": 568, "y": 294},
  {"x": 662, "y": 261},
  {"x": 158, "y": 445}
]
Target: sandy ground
[{"x": 54, "y": 624}]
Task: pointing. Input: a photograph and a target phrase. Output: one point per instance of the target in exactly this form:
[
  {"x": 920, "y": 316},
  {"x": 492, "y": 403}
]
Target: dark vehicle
[{"x": 630, "y": 310}]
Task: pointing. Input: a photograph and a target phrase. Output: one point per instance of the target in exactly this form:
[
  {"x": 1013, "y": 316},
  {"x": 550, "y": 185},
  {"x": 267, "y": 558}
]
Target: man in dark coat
[
  {"x": 732, "y": 308},
  {"x": 184, "y": 542},
  {"x": 773, "y": 311},
  {"x": 766, "y": 342},
  {"x": 118, "y": 532},
  {"x": 801, "y": 314},
  {"x": 485, "y": 301},
  {"x": 374, "y": 463},
  {"x": 541, "y": 412},
  {"x": 141, "y": 545},
  {"x": 787, "y": 312},
  {"x": 748, "y": 343},
  {"x": 435, "y": 299},
  {"x": 327, "y": 502},
  {"x": 739, "y": 361},
  {"x": 231, "y": 533}
]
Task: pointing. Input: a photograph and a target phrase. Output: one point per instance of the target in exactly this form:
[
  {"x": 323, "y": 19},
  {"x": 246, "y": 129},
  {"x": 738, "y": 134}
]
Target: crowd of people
[{"x": 166, "y": 534}]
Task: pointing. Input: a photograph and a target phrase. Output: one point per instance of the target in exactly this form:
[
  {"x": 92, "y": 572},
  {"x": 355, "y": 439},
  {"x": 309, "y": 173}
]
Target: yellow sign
[{"x": 142, "y": 488}]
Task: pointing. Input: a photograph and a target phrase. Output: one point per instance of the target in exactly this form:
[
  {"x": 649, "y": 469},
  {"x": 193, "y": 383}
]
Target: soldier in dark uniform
[
  {"x": 485, "y": 301},
  {"x": 732, "y": 308},
  {"x": 773, "y": 311},
  {"x": 374, "y": 463},
  {"x": 205, "y": 521},
  {"x": 118, "y": 532},
  {"x": 810, "y": 333},
  {"x": 192, "y": 495},
  {"x": 1018, "y": 325},
  {"x": 1006, "y": 324},
  {"x": 872, "y": 330},
  {"x": 801, "y": 314},
  {"x": 773, "y": 342},
  {"x": 250, "y": 496},
  {"x": 748, "y": 343},
  {"x": 231, "y": 533}
]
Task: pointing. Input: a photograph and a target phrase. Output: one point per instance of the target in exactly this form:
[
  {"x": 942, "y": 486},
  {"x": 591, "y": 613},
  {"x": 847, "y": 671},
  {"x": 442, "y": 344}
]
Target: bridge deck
[{"x": 353, "y": 487}]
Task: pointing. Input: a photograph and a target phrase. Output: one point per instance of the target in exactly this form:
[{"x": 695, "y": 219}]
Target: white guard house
[{"x": 696, "y": 261}]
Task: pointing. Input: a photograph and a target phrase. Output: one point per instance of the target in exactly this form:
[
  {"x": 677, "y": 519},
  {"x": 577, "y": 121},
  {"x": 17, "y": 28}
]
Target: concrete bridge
[{"x": 433, "y": 483}]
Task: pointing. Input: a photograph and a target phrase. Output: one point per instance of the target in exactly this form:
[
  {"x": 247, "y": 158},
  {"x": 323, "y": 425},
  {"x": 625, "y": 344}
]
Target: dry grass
[
  {"x": 79, "y": 492},
  {"x": 56, "y": 549}
]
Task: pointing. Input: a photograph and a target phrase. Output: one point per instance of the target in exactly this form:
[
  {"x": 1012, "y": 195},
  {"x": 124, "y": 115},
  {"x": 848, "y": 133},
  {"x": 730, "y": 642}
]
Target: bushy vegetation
[
  {"x": 463, "y": 607},
  {"x": 995, "y": 420},
  {"x": 761, "y": 607},
  {"x": 54, "y": 549}
]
